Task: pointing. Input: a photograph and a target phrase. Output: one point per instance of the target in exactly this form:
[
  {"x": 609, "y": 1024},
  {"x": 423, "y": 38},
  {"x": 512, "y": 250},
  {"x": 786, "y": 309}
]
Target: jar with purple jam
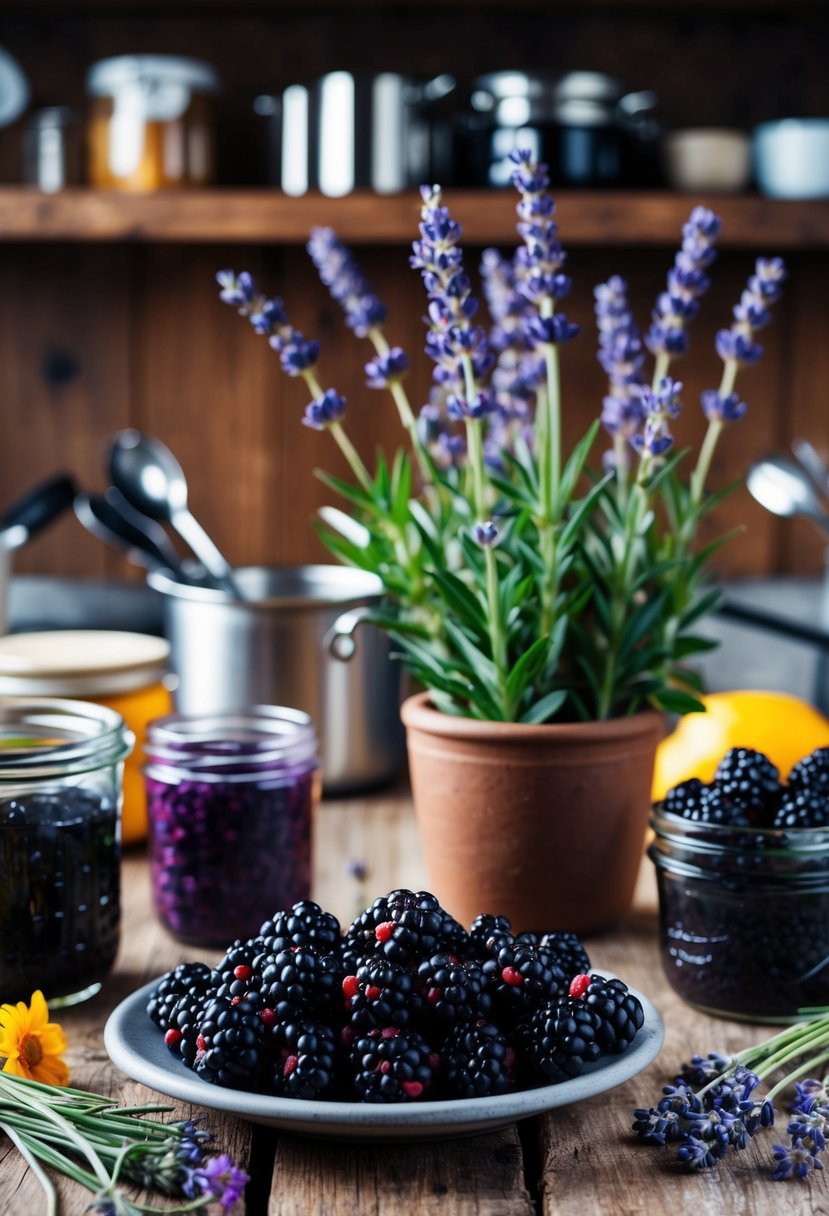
[
  {"x": 61, "y": 764},
  {"x": 744, "y": 916},
  {"x": 230, "y": 802}
]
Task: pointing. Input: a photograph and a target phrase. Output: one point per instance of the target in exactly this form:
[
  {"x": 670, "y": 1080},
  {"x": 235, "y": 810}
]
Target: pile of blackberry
[
  {"x": 405, "y": 1005},
  {"x": 747, "y": 792}
]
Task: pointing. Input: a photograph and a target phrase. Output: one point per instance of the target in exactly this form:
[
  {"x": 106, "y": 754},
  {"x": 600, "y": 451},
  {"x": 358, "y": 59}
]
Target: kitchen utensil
[
  {"x": 782, "y": 487},
  {"x": 270, "y": 647},
  {"x": 23, "y": 519},
  {"x": 812, "y": 461},
  {"x": 791, "y": 158},
  {"x": 136, "y": 1046},
  {"x": 52, "y": 149},
  {"x": 151, "y": 479},
  {"x": 14, "y": 89},
  {"x": 111, "y": 518},
  {"x": 708, "y": 158}
]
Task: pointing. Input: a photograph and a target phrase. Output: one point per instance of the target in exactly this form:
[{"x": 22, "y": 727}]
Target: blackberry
[
  {"x": 304, "y": 1056},
  {"x": 305, "y": 924},
  {"x": 686, "y": 799},
  {"x": 235, "y": 974},
  {"x": 454, "y": 991},
  {"x": 812, "y": 772},
  {"x": 393, "y": 1065},
  {"x": 404, "y": 927},
  {"x": 478, "y": 1061},
  {"x": 488, "y": 934},
  {"x": 803, "y": 808},
  {"x": 521, "y": 977},
  {"x": 620, "y": 1012},
  {"x": 231, "y": 1047},
  {"x": 299, "y": 983},
  {"x": 559, "y": 1039},
  {"x": 188, "y": 979},
  {"x": 749, "y": 781},
  {"x": 453, "y": 938},
  {"x": 716, "y": 809},
  {"x": 379, "y": 994},
  {"x": 184, "y": 1027},
  {"x": 567, "y": 952}
]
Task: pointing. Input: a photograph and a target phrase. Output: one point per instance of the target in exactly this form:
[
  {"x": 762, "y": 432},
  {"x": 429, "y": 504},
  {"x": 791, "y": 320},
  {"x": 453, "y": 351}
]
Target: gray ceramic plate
[{"x": 136, "y": 1046}]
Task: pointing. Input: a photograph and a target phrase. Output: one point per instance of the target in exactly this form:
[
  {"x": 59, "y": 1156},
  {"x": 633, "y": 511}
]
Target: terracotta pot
[{"x": 543, "y": 824}]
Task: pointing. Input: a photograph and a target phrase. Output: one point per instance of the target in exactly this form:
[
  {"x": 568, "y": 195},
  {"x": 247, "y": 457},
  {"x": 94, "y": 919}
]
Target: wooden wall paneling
[
  {"x": 206, "y": 385},
  {"x": 805, "y": 401},
  {"x": 65, "y": 355}
]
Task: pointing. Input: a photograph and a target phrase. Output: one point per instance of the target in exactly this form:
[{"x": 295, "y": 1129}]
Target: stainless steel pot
[{"x": 291, "y": 641}]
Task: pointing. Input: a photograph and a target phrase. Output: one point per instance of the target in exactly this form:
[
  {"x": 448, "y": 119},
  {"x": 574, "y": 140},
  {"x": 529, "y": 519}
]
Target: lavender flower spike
[
  {"x": 621, "y": 355},
  {"x": 348, "y": 285},
  {"x": 661, "y": 405},
  {"x": 324, "y": 411},
  {"x": 387, "y": 369},
  {"x": 539, "y": 262},
  {"x": 737, "y": 344},
  {"x": 687, "y": 283}
]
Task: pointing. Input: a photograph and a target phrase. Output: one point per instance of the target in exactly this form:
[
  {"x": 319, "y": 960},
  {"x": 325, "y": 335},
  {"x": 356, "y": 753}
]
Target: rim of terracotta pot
[{"x": 417, "y": 712}]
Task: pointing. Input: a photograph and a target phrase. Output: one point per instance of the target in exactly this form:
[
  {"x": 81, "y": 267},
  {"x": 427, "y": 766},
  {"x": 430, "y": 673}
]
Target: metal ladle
[
  {"x": 784, "y": 488},
  {"x": 151, "y": 479},
  {"x": 110, "y": 517}
]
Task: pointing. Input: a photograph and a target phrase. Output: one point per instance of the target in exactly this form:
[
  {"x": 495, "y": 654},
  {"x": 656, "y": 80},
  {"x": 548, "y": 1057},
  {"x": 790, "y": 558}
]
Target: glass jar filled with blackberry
[
  {"x": 742, "y": 869},
  {"x": 61, "y": 764}
]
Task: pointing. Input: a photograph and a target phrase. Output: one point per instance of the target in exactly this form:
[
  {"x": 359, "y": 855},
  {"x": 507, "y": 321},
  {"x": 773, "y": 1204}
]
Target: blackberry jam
[
  {"x": 744, "y": 916},
  {"x": 61, "y": 764},
  {"x": 230, "y": 800}
]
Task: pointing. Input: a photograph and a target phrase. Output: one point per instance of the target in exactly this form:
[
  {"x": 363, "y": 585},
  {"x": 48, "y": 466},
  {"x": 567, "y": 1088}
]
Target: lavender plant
[
  {"x": 524, "y": 583},
  {"x": 713, "y": 1104}
]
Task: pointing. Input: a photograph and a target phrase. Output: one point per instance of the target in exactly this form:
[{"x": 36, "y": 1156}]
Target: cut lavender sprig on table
[{"x": 714, "y": 1104}]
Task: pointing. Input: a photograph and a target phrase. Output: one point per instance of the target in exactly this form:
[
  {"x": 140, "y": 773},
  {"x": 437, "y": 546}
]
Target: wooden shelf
[{"x": 614, "y": 218}]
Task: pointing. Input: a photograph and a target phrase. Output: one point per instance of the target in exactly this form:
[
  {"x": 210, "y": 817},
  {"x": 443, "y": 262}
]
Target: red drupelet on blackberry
[
  {"x": 236, "y": 973},
  {"x": 453, "y": 991},
  {"x": 188, "y": 979},
  {"x": 403, "y": 926},
  {"x": 812, "y": 772},
  {"x": 393, "y": 1065},
  {"x": 305, "y": 924},
  {"x": 380, "y": 994},
  {"x": 620, "y": 1012},
  {"x": 231, "y": 1045},
  {"x": 304, "y": 1060},
  {"x": 184, "y": 1028},
  {"x": 300, "y": 983},
  {"x": 520, "y": 978},
  {"x": 478, "y": 1061},
  {"x": 566, "y": 951},
  {"x": 559, "y": 1039}
]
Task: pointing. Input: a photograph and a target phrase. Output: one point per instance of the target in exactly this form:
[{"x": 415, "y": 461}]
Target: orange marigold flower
[{"x": 31, "y": 1044}]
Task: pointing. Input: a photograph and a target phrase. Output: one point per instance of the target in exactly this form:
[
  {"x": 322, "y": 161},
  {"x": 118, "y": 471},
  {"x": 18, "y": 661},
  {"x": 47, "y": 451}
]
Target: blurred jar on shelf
[
  {"x": 151, "y": 122},
  {"x": 52, "y": 149}
]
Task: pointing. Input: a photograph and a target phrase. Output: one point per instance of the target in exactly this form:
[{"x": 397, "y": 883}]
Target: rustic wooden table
[{"x": 579, "y": 1160}]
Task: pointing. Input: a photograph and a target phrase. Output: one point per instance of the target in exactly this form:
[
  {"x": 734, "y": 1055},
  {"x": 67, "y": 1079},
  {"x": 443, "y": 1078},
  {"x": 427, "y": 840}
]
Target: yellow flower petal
[
  {"x": 38, "y": 1011},
  {"x": 52, "y": 1039},
  {"x": 51, "y": 1071},
  {"x": 16, "y": 1067}
]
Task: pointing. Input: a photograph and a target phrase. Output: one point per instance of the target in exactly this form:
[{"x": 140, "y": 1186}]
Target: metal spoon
[
  {"x": 110, "y": 517},
  {"x": 783, "y": 487},
  {"x": 151, "y": 479},
  {"x": 812, "y": 461}
]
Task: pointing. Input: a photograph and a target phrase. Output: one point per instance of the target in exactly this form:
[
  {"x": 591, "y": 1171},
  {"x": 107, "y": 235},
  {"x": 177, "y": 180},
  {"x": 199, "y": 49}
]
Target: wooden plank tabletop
[{"x": 577, "y": 1161}]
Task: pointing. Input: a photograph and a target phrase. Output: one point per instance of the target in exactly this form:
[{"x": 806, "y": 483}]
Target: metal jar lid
[
  {"x": 107, "y": 76},
  {"x": 80, "y": 663}
]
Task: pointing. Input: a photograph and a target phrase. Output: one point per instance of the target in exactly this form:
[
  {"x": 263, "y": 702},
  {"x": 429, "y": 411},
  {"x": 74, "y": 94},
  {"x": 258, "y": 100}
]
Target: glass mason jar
[
  {"x": 230, "y": 800},
  {"x": 744, "y": 916},
  {"x": 60, "y": 846}
]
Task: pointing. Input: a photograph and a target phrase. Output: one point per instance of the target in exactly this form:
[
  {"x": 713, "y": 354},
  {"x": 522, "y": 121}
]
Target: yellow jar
[
  {"x": 124, "y": 671},
  {"x": 151, "y": 122}
]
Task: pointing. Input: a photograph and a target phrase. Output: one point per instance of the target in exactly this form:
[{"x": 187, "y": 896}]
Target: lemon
[{"x": 783, "y": 727}]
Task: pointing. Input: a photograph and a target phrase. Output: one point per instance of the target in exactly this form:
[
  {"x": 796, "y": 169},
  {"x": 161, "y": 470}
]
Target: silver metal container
[{"x": 290, "y": 641}]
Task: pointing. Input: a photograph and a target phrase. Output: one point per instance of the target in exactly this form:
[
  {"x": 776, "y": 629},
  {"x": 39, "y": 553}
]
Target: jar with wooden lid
[
  {"x": 126, "y": 672},
  {"x": 151, "y": 122}
]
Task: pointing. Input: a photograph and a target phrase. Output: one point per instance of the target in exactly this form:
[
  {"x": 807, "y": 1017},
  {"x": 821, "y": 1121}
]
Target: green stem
[
  {"x": 34, "y": 1166},
  {"x": 798, "y": 1072},
  {"x": 625, "y": 568},
  {"x": 497, "y": 637},
  {"x": 352, "y": 455},
  {"x": 660, "y": 369},
  {"x": 404, "y": 410},
  {"x": 42, "y": 1108},
  {"x": 715, "y": 428}
]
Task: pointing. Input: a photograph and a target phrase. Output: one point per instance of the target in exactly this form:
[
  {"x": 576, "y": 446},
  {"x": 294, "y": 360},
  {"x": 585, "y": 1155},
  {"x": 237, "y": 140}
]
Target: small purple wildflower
[
  {"x": 346, "y": 282},
  {"x": 458, "y": 408},
  {"x": 486, "y": 534},
  {"x": 357, "y": 869},
  {"x": 386, "y": 369},
  {"x": 238, "y": 290},
  {"x": 660, "y": 405},
  {"x": 732, "y": 344},
  {"x": 223, "y": 1179},
  {"x": 807, "y": 1091},
  {"x": 701, "y": 1154},
  {"x": 551, "y": 331},
  {"x": 795, "y": 1161},
  {"x": 810, "y": 1125},
  {"x": 722, "y": 409},
  {"x": 687, "y": 283},
  {"x": 328, "y": 408},
  {"x": 298, "y": 354}
]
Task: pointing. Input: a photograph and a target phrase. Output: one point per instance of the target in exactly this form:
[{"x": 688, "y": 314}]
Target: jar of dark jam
[
  {"x": 230, "y": 801},
  {"x": 61, "y": 764},
  {"x": 744, "y": 916}
]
